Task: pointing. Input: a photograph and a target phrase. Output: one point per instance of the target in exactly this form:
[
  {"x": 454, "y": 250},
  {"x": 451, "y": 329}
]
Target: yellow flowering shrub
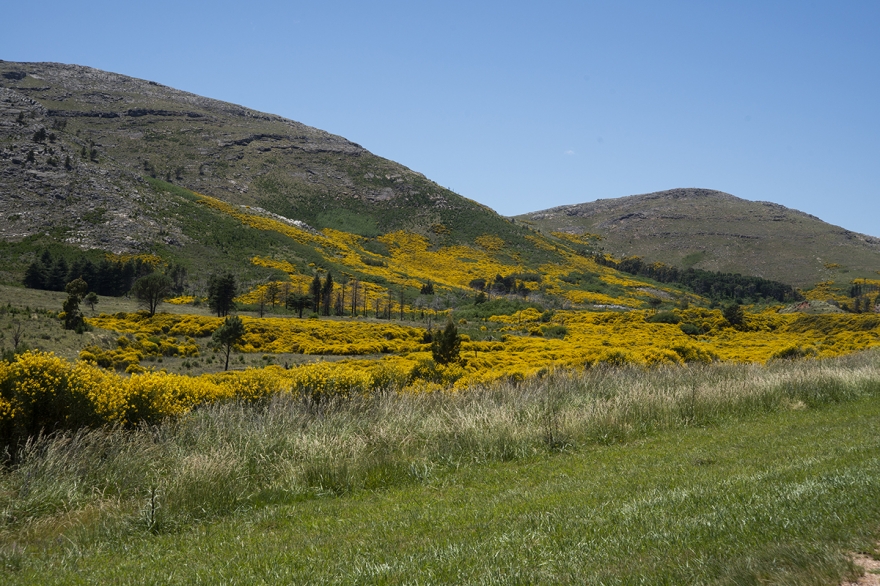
[
  {"x": 150, "y": 259},
  {"x": 490, "y": 242},
  {"x": 271, "y": 263},
  {"x": 128, "y": 352},
  {"x": 274, "y": 335},
  {"x": 181, "y": 300},
  {"x": 42, "y": 391},
  {"x": 825, "y": 291}
]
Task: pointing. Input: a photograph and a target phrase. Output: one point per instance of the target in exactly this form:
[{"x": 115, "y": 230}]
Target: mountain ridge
[
  {"x": 94, "y": 160},
  {"x": 107, "y": 132},
  {"x": 714, "y": 230}
]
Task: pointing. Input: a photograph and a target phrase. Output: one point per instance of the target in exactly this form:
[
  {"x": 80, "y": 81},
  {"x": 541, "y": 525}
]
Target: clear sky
[{"x": 528, "y": 105}]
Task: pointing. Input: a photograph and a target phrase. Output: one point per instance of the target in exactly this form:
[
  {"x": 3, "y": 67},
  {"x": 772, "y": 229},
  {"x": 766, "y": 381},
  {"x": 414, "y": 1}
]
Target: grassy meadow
[
  {"x": 722, "y": 473},
  {"x": 565, "y": 447}
]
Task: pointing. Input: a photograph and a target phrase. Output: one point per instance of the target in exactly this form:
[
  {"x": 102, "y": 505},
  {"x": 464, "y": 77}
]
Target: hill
[
  {"x": 95, "y": 163},
  {"x": 76, "y": 145},
  {"x": 716, "y": 231}
]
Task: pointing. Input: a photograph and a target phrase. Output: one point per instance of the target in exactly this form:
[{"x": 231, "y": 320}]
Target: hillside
[
  {"x": 76, "y": 145},
  {"x": 95, "y": 163},
  {"x": 716, "y": 231}
]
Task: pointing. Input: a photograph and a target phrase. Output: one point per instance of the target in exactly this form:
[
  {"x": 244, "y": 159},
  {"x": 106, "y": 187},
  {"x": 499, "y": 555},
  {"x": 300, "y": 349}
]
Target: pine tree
[
  {"x": 446, "y": 345},
  {"x": 222, "y": 290},
  {"x": 73, "y": 318},
  {"x": 327, "y": 293},
  {"x": 298, "y": 302},
  {"x": 315, "y": 291},
  {"x": 228, "y": 335},
  {"x": 35, "y": 276},
  {"x": 734, "y": 314},
  {"x": 58, "y": 275},
  {"x": 151, "y": 290}
]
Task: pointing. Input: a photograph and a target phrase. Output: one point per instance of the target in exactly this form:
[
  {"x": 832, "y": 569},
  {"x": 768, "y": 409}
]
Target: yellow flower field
[
  {"x": 36, "y": 386},
  {"x": 412, "y": 261}
]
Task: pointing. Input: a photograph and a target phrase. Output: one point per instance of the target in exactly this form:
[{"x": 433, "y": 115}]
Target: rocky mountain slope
[
  {"x": 76, "y": 144},
  {"x": 716, "y": 231}
]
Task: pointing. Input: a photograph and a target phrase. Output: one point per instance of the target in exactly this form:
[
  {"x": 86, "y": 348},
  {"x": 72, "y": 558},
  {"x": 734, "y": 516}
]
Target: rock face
[
  {"x": 713, "y": 230},
  {"x": 78, "y": 144}
]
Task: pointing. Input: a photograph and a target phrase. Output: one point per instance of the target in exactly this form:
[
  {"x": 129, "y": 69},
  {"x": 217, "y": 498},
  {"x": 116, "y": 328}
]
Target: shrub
[
  {"x": 734, "y": 314},
  {"x": 793, "y": 353},
  {"x": 664, "y": 317},
  {"x": 555, "y": 331},
  {"x": 691, "y": 329}
]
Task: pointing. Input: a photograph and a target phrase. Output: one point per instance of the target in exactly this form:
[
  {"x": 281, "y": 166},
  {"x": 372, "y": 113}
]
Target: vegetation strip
[{"x": 761, "y": 496}]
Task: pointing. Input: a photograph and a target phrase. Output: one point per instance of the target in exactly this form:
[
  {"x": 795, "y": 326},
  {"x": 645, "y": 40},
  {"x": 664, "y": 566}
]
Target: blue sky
[{"x": 526, "y": 105}]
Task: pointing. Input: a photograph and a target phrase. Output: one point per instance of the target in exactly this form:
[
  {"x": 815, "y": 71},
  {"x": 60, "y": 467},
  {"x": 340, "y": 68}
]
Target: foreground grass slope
[
  {"x": 724, "y": 474},
  {"x": 748, "y": 503}
]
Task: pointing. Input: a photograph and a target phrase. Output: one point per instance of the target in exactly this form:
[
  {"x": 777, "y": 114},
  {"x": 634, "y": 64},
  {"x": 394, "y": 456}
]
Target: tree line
[
  {"x": 108, "y": 277},
  {"x": 865, "y": 296},
  {"x": 712, "y": 284}
]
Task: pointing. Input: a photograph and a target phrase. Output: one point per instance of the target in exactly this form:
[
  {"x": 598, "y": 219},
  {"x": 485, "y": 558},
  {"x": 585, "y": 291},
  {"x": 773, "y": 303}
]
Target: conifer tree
[
  {"x": 315, "y": 291},
  {"x": 222, "y": 290},
  {"x": 73, "y": 318},
  {"x": 446, "y": 345},
  {"x": 327, "y": 294}
]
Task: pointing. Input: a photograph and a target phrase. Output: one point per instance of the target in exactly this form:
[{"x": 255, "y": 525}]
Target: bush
[
  {"x": 664, "y": 317},
  {"x": 447, "y": 344},
  {"x": 691, "y": 329},
  {"x": 734, "y": 314},
  {"x": 793, "y": 353},
  {"x": 556, "y": 331}
]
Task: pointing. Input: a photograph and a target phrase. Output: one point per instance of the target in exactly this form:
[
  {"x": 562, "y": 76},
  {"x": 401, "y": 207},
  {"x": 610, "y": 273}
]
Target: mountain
[
  {"x": 95, "y": 164},
  {"x": 716, "y": 231},
  {"x": 82, "y": 150},
  {"x": 117, "y": 129}
]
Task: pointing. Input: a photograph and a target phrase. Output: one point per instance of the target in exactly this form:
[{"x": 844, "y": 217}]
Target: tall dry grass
[{"x": 224, "y": 457}]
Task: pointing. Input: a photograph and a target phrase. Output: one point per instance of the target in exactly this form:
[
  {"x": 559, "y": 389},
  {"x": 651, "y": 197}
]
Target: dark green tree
[
  {"x": 73, "y": 318},
  {"x": 327, "y": 294},
  {"x": 298, "y": 302},
  {"x": 177, "y": 274},
  {"x": 228, "y": 335},
  {"x": 57, "y": 276},
  {"x": 734, "y": 314},
  {"x": 151, "y": 290},
  {"x": 446, "y": 345},
  {"x": 272, "y": 292},
  {"x": 35, "y": 276},
  {"x": 478, "y": 284},
  {"x": 315, "y": 291},
  {"x": 91, "y": 300},
  {"x": 222, "y": 290}
]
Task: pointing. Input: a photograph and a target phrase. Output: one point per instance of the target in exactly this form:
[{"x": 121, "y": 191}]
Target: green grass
[
  {"x": 745, "y": 503},
  {"x": 724, "y": 474}
]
